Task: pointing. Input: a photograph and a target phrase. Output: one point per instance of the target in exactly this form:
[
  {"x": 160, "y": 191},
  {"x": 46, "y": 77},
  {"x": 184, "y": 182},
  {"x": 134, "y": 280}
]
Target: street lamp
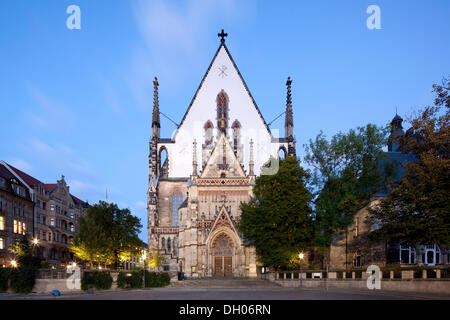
[
  {"x": 35, "y": 241},
  {"x": 14, "y": 263},
  {"x": 144, "y": 256},
  {"x": 301, "y": 256}
]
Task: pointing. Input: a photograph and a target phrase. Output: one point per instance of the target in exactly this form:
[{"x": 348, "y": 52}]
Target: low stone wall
[
  {"x": 424, "y": 285},
  {"x": 48, "y": 285}
]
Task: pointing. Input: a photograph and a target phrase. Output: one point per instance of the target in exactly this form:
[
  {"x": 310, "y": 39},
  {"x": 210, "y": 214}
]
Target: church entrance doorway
[{"x": 223, "y": 256}]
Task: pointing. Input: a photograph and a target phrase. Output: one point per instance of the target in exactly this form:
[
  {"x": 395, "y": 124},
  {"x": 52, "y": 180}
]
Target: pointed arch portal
[{"x": 222, "y": 250}]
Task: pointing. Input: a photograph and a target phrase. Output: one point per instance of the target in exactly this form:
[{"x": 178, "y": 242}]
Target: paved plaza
[{"x": 235, "y": 290}]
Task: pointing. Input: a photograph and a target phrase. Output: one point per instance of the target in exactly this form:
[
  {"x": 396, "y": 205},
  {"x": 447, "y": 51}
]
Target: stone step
[{"x": 223, "y": 283}]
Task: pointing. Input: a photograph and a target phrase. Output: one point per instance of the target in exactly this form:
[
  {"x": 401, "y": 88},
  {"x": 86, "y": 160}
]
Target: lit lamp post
[
  {"x": 14, "y": 263},
  {"x": 144, "y": 256},
  {"x": 301, "y": 256},
  {"x": 35, "y": 243}
]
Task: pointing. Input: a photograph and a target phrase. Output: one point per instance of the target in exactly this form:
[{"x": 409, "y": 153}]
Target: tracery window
[
  {"x": 222, "y": 111},
  {"x": 223, "y": 246},
  {"x": 208, "y": 133},
  {"x": 236, "y": 134}
]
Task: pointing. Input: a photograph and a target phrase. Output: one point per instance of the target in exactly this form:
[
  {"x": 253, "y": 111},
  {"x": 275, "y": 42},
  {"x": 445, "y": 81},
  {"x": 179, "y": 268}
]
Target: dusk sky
[{"x": 79, "y": 102}]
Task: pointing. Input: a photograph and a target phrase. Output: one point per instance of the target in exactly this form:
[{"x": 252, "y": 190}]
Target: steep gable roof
[
  {"x": 49, "y": 187},
  {"x": 234, "y": 168},
  {"x": 223, "y": 220},
  {"x": 31, "y": 181},
  {"x": 206, "y": 75}
]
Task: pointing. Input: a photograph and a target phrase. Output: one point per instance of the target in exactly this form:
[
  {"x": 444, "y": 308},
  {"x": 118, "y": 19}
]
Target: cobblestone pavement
[{"x": 234, "y": 290}]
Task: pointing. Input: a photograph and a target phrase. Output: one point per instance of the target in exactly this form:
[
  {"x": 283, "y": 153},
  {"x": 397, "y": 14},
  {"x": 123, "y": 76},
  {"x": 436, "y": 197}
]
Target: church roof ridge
[{"x": 222, "y": 44}]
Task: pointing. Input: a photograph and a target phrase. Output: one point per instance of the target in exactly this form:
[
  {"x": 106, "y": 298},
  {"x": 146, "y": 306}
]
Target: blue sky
[{"x": 79, "y": 102}]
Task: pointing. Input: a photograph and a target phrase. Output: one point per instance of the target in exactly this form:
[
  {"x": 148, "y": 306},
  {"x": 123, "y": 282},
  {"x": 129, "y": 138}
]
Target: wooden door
[
  {"x": 218, "y": 266},
  {"x": 228, "y": 266}
]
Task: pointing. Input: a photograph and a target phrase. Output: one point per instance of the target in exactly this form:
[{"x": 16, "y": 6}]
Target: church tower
[
  {"x": 289, "y": 121},
  {"x": 396, "y": 132},
  {"x": 154, "y": 165},
  {"x": 199, "y": 176}
]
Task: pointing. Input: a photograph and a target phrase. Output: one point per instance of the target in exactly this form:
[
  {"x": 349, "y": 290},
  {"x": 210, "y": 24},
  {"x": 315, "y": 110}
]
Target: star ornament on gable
[{"x": 222, "y": 70}]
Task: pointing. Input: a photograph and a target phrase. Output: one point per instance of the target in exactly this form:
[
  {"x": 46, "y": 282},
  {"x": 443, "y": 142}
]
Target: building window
[
  {"x": 2, "y": 223},
  {"x": 24, "y": 228},
  {"x": 15, "y": 230},
  {"x": 177, "y": 200},
  {"x": 236, "y": 134},
  {"x": 72, "y": 228},
  {"x": 222, "y": 111},
  {"x": 52, "y": 207},
  {"x": 43, "y": 205},
  {"x": 407, "y": 255},
  {"x": 208, "y": 133},
  {"x": 168, "y": 245},
  {"x": 357, "y": 259},
  {"x": 1, "y": 203},
  {"x": 52, "y": 222},
  {"x": 38, "y": 203},
  {"x": 20, "y": 227},
  {"x": 38, "y": 218},
  {"x": 163, "y": 243},
  {"x": 44, "y": 235},
  {"x": 356, "y": 227},
  {"x": 2, "y": 244}
]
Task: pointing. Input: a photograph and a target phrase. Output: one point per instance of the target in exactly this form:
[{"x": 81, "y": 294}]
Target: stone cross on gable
[{"x": 222, "y": 35}]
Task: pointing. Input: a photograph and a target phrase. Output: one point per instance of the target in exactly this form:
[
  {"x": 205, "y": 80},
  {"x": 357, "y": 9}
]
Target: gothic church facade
[{"x": 199, "y": 176}]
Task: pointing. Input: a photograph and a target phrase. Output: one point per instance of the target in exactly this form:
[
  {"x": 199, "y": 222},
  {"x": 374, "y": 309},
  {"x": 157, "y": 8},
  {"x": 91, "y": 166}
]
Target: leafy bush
[
  {"x": 153, "y": 279},
  {"x": 130, "y": 279},
  {"x": 100, "y": 280},
  {"x": 122, "y": 280},
  {"x": 22, "y": 280},
  {"x": 4, "y": 276}
]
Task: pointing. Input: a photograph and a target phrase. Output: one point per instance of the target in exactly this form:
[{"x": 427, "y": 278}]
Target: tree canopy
[
  {"x": 277, "y": 219},
  {"x": 107, "y": 235},
  {"x": 417, "y": 209},
  {"x": 347, "y": 170},
  {"x": 23, "y": 250}
]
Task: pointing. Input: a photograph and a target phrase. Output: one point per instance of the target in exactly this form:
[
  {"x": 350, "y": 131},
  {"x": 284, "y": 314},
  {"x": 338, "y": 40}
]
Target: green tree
[
  {"x": 347, "y": 170},
  {"x": 156, "y": 259},
  {"x": 23, "y": 250},
  {"x": 417, "y": 209},
  {"x": 107, "y": 235},
  {"x": 277, "y": 219}
]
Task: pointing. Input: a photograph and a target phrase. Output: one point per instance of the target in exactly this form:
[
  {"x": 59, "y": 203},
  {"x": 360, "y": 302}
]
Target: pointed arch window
[
  {"x": 236, "y": 134},
  {"x": 208, "y": 133},
  {"x": 163, "y": 243},
  {"x": 177, "y": 200},
  {"x": 222, "y": 111}
]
